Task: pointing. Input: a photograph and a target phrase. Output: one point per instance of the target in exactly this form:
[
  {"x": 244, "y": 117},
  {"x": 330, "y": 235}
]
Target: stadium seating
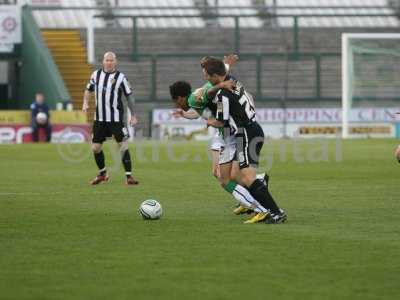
[
  {"x": 194, "y": 35},
  {"x": 338, "y": 21},
  {"x": 221, "y": 40},
  {"x": 78, "y": 18},
  {"x": 70, "y": 56}
]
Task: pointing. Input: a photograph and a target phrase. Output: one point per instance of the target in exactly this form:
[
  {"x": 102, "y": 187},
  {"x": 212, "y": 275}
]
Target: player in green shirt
[{"x": 192, "y": 106}]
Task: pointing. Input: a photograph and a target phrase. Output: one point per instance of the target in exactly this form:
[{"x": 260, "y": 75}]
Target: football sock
[
  {"x": 102, "y": 172},
  {"x": 260, "y": 192},
  {"x": 260, "y": 176},
  {"x": 263, "y": 177},
  {"x": 126, "y": 161},
  {"x": 99, "y": 158},
  {"x": 242, "y": 195}
]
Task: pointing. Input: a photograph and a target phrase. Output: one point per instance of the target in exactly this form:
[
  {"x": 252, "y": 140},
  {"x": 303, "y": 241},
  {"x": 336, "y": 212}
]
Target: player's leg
[
  {"x": 249, "y": 144},
  {"x": 99, "y": 133},
  {"x": 35, "y": 133},
  {"x": 233, "y": 188},
  {"x": 220, "y": 157},
  {"x": 235, "y": 174},
  {"x": 215, "y": 163},
  {"x": 48, "y": 132},
  {"x": 127, "y": 163},
  {"x": 121, "y": 135},
  {"x": 217, "y": 143},
  {"x": 240, "y": 193}
]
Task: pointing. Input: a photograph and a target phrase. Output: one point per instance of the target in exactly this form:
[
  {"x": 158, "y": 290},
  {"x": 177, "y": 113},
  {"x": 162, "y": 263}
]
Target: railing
[
  {"x": 236, "y": 37},
  {"x": 258, "y": 58},
  {"x": 191, "y": 7},
  {"x": 293, "y": 54}
]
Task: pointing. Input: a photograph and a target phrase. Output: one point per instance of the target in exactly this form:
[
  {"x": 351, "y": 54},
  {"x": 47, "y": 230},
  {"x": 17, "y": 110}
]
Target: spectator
[{"x": 40, "y": 118}]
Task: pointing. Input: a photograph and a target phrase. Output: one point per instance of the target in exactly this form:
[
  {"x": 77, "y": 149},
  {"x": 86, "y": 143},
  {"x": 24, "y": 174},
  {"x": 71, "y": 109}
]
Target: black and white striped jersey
[
  {"x": 108, "y": 88},
  {"x": 236, "y": 109}
]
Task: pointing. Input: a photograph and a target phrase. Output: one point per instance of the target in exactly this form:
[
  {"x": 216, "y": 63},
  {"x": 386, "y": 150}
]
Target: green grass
[{"x": 63, "y": 239}]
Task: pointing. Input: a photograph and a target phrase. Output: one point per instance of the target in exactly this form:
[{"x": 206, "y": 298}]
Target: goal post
[{"x": 370, "y": 71}]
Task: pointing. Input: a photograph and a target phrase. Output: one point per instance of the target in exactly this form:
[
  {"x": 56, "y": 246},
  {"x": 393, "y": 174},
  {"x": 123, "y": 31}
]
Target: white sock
[
  {"x": 261, "y": 177},
  {"x": 246, "y": 199}
]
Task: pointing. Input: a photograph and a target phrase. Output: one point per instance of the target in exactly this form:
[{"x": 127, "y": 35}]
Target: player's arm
[
  {"x": 190, "y": 114},
  {"x": 130, "y": 100},
  {"x": 227, "y": 84},
  {"x": 89, "y": 89},
  {"x": 215, "y": 123},
  {"x": 86, "y": 97},
  {"x": 127, "y": 90}
]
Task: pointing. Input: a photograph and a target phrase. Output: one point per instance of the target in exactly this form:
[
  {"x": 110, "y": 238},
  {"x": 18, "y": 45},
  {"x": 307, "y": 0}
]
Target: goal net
[{"x": 370, "y": 72}]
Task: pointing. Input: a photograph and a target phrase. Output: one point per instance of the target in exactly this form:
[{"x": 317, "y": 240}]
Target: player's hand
[
  {"x": 85, "y": 107},
  {"x": 177, "y": 113},
  {"x": 133, "y": 121},
  {"x": 229, "y": 85},
  {"x": 397, "y": 153},
  {"x": 211, "y": 122},
  {"x": 231, "y": 59}
]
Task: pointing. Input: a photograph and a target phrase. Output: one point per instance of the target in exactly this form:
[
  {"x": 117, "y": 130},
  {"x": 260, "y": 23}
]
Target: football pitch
[{"x": 63, "y": 239}]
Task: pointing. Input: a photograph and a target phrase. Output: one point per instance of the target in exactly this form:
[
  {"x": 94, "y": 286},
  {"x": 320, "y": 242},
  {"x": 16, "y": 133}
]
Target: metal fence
[
  {"x": 294, "y": 53},
  {"x": 236, "y": 36}
]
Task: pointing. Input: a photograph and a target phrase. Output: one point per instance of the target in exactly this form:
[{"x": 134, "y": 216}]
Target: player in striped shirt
[
  {"x": 192, "y": 106},
  {"x": 236, "y": 115},
  {"x": 109, "y": 85}
]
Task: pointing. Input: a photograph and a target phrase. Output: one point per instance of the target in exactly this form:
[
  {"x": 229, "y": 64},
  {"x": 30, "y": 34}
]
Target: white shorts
[
  {"x": 228, "y": 151},
  {"x": 217, "y": 142}
]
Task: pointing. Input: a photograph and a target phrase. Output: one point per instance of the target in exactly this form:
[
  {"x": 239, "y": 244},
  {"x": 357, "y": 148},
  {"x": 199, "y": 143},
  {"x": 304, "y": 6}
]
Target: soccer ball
[
  {"x": 41, "y": 118},
  {"x": 150, "y": 209}
]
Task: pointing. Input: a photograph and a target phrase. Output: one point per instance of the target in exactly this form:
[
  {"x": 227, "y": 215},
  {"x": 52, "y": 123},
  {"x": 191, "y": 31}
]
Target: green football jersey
[{"x": 198, "y": 100}]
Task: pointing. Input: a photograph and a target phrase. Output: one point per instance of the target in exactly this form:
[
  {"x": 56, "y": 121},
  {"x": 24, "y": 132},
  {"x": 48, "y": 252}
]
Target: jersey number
[{"x": 249, "y": 107}]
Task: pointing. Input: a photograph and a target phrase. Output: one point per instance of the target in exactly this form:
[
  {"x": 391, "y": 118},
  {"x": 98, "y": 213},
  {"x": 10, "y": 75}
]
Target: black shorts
[
  {"x": 249, "y": 142},
  {"x": 103, "y": 130}
]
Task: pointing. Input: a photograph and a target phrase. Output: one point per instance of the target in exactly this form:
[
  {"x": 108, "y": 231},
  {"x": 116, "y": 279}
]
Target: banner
[
  {"x": 15, "y": 117},
  {"x": 300, "y": 115},
  {"x": 67, "y": 127},
  {"x": 23, "y": 117},
  {"x": 10, "y": 27},
  {"x": 61, "y": 133},
  {"x": 295, "y": 122}
]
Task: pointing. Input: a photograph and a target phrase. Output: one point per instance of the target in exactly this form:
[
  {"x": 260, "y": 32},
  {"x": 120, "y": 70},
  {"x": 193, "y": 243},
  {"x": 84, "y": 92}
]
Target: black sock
[
  {"x": 260, "y": 192},
  {"x": 99, "y": 158},
  {"x": 126, "y": 161}
]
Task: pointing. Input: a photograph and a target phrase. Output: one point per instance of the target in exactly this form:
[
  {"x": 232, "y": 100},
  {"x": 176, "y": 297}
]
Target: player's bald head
[
  {"x": 110, "y": 54},
  {"x": 109, "y": 61}
]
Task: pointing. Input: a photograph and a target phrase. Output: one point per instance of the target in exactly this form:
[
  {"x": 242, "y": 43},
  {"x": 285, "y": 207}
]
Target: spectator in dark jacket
[{"x": 40, "y": 118}]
